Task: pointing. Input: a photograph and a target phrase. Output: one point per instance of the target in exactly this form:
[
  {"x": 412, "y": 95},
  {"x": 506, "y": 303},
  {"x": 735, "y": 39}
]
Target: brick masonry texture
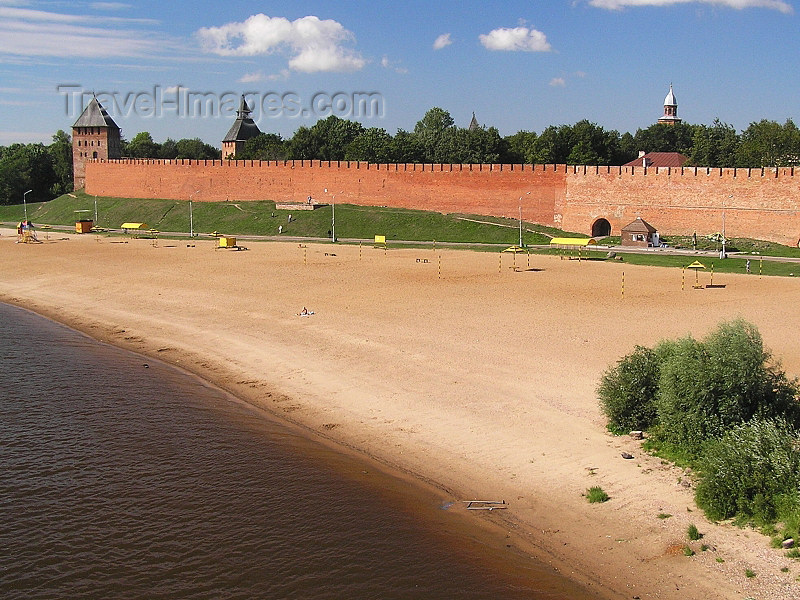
[{"x": 758, "y": 203}]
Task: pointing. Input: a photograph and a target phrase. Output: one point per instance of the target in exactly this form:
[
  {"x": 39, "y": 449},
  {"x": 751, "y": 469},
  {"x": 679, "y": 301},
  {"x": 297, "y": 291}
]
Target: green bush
[
  {"x": 753, "y": 471},
  {"x": 724, "y": 407},
  {"x": 692, "y": 533},
  {"x": 706, "y": 388},
  {"x": 596, "y": 494},
  {"x": 627, "y": 391}
]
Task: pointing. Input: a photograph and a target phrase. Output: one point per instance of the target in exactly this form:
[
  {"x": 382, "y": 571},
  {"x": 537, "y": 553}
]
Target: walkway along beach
[{"x": 461, "y": 371}]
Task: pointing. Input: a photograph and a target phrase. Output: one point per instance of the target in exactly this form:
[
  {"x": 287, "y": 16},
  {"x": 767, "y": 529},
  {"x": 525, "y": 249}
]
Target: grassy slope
[
  {"x": 255, "y": 218},
  {"x": 732, "y": 264},
  {"x": 360, "y": 222}
]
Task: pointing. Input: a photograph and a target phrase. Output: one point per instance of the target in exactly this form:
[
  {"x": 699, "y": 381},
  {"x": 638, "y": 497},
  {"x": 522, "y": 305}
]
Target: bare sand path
[{"x": 481, "y": 379}]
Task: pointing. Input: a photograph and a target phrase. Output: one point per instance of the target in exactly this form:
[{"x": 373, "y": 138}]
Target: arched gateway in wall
[{"x": 600, "y": 228}]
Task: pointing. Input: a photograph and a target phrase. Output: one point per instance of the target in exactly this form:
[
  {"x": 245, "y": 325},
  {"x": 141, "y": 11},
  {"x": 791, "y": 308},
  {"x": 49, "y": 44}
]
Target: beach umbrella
[{"x": 696, "y": 266}]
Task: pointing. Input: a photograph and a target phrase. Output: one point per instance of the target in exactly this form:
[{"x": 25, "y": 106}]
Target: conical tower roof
[
  {"x": 243, "y": 127},
  {"x": 94, "y": 115},
  {"x": 473, "y": 124}
]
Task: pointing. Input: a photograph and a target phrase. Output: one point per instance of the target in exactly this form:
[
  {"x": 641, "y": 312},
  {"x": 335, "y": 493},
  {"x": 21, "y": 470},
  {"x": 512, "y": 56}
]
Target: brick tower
[
  {"x": 670, "y": 110},
  {"x": 243, "y": 129},
  {"x": 94, "y": 135}
]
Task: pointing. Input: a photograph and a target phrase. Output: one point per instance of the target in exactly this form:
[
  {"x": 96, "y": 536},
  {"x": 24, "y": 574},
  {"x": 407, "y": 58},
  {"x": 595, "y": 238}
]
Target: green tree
[
  {"x": 327, "y": 139},
  {"x": 520, "y": 147},
  {"x": 26, "y": 167},
  {"x": 665, "y": 138},
  {"x": 769, "y": 144},
  {"x": 590, "y": 144},
  {"x": 708, "y": 387},
  {"x": 434, "y": 135},
  {"x": 61, "y": 155},
  {"x": 196, "y": 149},
  {"x": 752, "y": 471},
  {"x": 264, "y": 146},
  {"x": 715, "y": 145},
  {"x": 168, "y": 149},
  {"x": 406, "y": 148},
  {"x": 142, "y": 146},
  {"x": 373, "y": 145},
  {"x": 628, "y": 391},
  {"x": 553, "y": 145},
  {"x": 627, "y": 149}
]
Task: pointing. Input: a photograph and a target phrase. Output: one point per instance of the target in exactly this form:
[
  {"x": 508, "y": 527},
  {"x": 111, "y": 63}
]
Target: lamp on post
[
  {"x": 520, "y": 218},
  {"x": 723, "y": 254},
  {"x": 25, "y": 204},
  {"x": 333, "y": 216},
  {"x": 191, "y": 219}
]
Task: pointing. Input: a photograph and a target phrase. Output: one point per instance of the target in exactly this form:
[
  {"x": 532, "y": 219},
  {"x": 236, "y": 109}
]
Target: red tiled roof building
[{"x": 658, "y": 160}]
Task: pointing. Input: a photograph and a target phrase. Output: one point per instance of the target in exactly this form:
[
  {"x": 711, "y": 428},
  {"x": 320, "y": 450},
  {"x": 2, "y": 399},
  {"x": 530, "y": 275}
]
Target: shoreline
[
  {"x": 453, "y": 390},
  {"x": 483, "y": 536},
  {"x": 406, "y": 492}
]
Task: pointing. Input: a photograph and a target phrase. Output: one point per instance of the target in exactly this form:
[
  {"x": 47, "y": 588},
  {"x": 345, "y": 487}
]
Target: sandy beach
[{"x": 448, "y": 365}]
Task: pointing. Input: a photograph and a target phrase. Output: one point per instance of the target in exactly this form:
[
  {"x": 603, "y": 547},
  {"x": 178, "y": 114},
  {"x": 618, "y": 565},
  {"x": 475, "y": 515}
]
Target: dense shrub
[
  {"x": 753, "y": 471},
  {"x": 721, "y": 405},
  {"x": 706, "y": 388},
  {"x": 627, "y": 391}
]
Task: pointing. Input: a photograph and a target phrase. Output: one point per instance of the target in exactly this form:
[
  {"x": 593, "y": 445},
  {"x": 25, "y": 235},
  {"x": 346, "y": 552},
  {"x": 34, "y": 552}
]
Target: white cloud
[
  {"x": 558, "y": 82},
  {"x": 252, "y": 77},
  {"x": 260, "y": 76},
  {"x": 442, "y": 41},
  {"x": 315, "y": 45},
  {"x": 515, "y": 39},
  {"x": 394, "y": 66},
  {"x": 778, "y": 5},
  {"x": 30, "y": 15},
  {"x": 109, "y": 5},
  {"x": 26, "y": 32},
  {"x": 282, "y": 74}
]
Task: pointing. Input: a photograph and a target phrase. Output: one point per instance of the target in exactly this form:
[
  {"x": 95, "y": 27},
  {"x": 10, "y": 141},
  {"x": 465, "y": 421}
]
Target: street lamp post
[
  {"x": 25, "y": 204},
  {"x": 520, "y": 218},
  {"x": 723, "y": 254},
  {"x": 333, "y": 216},
  {"x": 191, "y": 218},
  {"x": 95, "y": 210}
]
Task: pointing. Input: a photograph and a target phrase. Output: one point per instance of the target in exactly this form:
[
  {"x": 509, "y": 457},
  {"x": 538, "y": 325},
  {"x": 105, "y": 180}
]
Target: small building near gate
[{"x": 640, "y": 234}]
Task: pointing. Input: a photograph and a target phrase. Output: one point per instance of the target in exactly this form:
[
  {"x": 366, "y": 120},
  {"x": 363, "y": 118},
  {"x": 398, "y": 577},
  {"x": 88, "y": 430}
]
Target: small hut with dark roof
[
  {"x": 640, "y": 234},
  {"x": 243, "y": 129},
  {"x": 95, "y": 135}
]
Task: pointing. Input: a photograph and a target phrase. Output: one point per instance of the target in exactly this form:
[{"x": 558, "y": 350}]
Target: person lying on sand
[{"x": 305, "y": 312}]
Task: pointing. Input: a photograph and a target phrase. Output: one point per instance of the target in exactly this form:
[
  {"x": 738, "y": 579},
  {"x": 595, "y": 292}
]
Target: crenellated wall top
[{"x": 585, "y": 170}]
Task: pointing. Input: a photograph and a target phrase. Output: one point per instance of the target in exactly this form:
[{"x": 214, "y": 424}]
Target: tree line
[
  {"x": 436, "y": 139},
  {"x": 47, "y": 169}
]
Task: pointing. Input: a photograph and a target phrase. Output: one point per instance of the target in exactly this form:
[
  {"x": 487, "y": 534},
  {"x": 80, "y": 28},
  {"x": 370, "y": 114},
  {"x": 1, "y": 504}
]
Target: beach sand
[{"x": 469, "y": 375}]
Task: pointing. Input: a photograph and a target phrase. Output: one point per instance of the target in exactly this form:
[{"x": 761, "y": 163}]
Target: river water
[{"x": 121, "y": 477}]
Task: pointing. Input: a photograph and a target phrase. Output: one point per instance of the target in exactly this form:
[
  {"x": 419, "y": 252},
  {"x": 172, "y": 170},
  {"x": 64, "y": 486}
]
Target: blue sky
[{"x": 518, "y": 65}]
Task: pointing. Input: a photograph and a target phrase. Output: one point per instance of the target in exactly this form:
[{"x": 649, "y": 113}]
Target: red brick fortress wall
[
  {"x": 493, "y": 190},
  {"x": 757, "y": 203}
]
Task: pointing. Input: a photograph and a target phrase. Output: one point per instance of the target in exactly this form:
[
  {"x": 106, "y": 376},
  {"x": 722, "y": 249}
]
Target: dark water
[{"x": 119, "y": 481}]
